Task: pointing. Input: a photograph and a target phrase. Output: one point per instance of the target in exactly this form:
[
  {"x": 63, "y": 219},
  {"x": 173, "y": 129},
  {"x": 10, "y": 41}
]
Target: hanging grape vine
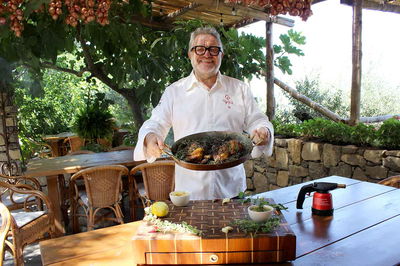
[
  {"x": 301, "y": 8},
  {"x": 85, "y": 11}
]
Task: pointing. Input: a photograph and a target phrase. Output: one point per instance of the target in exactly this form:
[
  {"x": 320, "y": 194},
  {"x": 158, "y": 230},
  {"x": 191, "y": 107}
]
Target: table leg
[
  {"x": 54, "y": 148},
  {"x": 55, "y": 197},
  {"x": 131, "y": 197}
]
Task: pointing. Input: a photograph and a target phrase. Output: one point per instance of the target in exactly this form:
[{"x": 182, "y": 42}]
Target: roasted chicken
[
  {"x": 195, "y": 153},
  {"x": 217, "y": 153}
]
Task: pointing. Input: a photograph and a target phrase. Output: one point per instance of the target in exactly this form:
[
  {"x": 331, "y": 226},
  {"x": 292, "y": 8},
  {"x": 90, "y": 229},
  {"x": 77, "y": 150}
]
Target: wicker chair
[
  {"x": 30, "y": 223},
  {"x": 393, "y": 181},
  {"x": 105, "y": 143},
  {"x": 158, "y": 180},
  {"x": 15, "y": 201},
  {"x": 40, "y": 149},
  {"x": 80, "y": 152},
  {"x": 122, "y": 148},
  {"x": 75, "y": 143},
  {"x": 5, "y": 216},
  {"x": 102, "y": 191}
]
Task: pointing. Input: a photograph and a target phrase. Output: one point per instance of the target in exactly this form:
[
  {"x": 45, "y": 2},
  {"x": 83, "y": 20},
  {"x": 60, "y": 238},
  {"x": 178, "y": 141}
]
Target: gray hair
[{"x": 206, "y": 30}]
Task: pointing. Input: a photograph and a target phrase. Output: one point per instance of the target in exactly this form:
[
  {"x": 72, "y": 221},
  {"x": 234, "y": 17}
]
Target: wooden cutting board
[{"x": 213, "y": 246}]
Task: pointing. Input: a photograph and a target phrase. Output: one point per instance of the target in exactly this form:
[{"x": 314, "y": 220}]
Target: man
[{"x": 206, "y": 100}]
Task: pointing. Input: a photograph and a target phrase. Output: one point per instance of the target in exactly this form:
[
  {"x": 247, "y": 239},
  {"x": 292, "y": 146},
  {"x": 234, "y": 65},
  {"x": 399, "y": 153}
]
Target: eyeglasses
[{"x": 201, "y": 50}]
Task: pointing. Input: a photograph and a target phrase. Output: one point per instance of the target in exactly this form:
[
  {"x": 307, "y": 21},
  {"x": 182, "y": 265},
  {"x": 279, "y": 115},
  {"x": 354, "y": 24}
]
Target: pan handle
[
  {"x": 255, "y": 143},
  {"x": 167, "y": 151}
]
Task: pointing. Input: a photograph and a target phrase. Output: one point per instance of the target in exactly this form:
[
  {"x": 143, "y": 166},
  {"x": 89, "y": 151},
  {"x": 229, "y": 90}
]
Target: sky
[{"x": 328, "y": 49}]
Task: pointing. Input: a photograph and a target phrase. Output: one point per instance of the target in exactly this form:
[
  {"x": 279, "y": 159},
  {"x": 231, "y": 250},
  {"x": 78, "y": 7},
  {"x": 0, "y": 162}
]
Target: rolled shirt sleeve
[
  {"x": 255, "y": 119},
  {"x": 159, "y": 123}
]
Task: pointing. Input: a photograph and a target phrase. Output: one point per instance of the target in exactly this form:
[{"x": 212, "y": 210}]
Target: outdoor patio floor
[{"x": 32, "y": 256}]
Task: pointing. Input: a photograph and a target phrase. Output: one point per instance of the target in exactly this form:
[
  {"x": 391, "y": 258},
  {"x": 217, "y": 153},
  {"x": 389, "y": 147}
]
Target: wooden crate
[{"x": 214, "y": 246}]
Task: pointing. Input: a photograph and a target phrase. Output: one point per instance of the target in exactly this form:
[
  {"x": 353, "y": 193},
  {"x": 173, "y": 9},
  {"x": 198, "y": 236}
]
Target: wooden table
[
  {"x": 52, "y": 168},
  {"x": 362, "y": 231},
  {"x": 56, "y": 142}
]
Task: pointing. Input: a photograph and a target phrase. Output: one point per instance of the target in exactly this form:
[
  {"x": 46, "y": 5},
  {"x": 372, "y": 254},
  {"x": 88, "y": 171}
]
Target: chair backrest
[
  {"x": 14, "y": 200},
  {"x": 393, "y": 181},
  {"x": 80, "y": 152},
  {"x": 122, "y": 148},
  {"x": 102, "y": 183},
  {"x": 75, "y": 143},
  {"x": 105, "y": 143},
  {"x": 4, "y": 228},
  {"x": 158, "y": 178}
]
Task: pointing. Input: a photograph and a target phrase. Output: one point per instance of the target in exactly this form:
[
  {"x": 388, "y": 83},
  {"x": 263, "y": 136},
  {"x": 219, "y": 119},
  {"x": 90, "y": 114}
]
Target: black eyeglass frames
[{"x": 201, "y": 50}]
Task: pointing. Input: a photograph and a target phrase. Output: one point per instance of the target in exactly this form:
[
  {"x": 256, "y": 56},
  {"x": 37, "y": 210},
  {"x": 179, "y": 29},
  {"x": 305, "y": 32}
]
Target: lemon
[{"x": 159, "y": 209}]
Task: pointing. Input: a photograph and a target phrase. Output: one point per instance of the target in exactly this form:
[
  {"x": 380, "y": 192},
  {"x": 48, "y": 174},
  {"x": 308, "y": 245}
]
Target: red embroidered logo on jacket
[{"x": 228, "y": 101}]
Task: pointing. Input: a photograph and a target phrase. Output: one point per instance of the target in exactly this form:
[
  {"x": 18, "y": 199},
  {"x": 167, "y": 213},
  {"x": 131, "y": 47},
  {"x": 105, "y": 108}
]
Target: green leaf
[
  {"x": 30, "y": 6},
  {"x": 155, "y": 42}
]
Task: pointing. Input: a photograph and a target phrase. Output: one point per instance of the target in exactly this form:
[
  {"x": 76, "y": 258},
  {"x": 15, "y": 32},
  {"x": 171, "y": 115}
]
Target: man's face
[{"x": 205, "y": 65}]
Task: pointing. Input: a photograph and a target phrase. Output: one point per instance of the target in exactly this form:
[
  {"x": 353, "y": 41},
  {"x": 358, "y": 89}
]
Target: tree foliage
[
  {"x": 132, "y": 60},
  {"x": 311, "y": 88}
]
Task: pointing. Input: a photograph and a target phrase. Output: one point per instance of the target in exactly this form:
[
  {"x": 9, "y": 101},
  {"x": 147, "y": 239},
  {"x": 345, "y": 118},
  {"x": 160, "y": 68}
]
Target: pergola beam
[
  {"x": 180, "y": 12},
  {"x": 372, "y": 5},
  {"x": 243, "y": 22},
  {"x": 281, "y": 21}
]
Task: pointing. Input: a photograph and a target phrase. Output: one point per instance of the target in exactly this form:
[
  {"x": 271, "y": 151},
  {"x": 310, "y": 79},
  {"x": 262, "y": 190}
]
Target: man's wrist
[{"x": 147, "y": 137}]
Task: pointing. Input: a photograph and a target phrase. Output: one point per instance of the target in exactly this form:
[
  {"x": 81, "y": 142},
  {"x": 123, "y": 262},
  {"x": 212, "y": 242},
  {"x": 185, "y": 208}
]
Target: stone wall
[
  {"x": 296, "y": 161},
  {"x": 10, "y": 153}
]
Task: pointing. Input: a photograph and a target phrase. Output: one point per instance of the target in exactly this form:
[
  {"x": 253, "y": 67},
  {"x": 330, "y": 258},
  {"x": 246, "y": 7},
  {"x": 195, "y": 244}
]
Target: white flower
[
  {"x": 226, "y": 229},
  {"x": 226, "y": 200}
]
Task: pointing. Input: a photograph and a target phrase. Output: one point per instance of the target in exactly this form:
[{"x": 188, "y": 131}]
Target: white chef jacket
[{"x": 189, "y": 107}]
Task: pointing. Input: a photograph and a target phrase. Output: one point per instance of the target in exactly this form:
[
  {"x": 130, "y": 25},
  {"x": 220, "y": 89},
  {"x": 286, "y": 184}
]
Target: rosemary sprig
[
  {"x": 249, "y": 226},
  {"x": 260, "y": 202}
]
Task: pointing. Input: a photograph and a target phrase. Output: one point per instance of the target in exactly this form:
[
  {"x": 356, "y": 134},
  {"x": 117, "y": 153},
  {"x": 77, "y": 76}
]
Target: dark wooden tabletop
[
  {"x": 71, "y": 164},
  {"x": 362, "y": 231}
]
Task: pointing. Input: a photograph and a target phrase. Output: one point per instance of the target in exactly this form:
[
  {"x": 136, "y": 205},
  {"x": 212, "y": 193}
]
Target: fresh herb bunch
[
  {"x": 167, "y": 226},
  {"x": 249, "y": 226},
  {"x": 260, "y": 202}
]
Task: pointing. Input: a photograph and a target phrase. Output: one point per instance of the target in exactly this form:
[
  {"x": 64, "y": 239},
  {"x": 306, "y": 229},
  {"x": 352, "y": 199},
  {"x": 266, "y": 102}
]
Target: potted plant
[
  {"x": 94, "y": 121},
  {"x": 260, "y": 210}
]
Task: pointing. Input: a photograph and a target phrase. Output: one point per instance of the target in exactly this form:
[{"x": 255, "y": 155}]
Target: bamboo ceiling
[{"x": 233, "y": 15}]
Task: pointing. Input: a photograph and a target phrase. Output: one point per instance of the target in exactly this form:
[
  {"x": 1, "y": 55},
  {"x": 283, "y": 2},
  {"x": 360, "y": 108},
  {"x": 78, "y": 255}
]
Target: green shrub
[
  {"x": 364, "y": 135},
  {"x": 287, "y": 130},
  {"x": 387, "y": 137},
  {"x": 327, "y": 130}
]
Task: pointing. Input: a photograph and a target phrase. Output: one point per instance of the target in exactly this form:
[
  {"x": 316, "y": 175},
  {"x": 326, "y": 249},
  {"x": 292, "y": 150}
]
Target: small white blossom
[
  {"x": 226, "y": 200},
  {"x": 226, "y": 229}
]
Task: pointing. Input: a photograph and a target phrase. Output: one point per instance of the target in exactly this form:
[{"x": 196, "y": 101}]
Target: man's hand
[
  {"x": 154, "y": 145},
  {"x": 261, "y": 136}
]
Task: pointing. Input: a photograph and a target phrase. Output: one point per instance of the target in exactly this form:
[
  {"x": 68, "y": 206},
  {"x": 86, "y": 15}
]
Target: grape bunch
[
  {"x": 15, "y": 13},
  {"x": 85, "y": 11},
  {"x": 102, "y": 12},
  {"x": 55, "y": 9},
  {"x": 301, "y": 8}
]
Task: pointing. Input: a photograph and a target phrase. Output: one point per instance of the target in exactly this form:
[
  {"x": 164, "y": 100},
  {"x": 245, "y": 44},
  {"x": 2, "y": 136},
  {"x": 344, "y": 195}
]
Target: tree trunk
[
  {"x": 130, "y": 96},
  {"x": 356, "y": 60}
]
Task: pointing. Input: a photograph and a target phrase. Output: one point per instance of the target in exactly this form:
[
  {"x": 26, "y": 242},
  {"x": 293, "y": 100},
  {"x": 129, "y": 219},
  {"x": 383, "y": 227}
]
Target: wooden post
[
  {"x": 270, "y": 72},
  {"x": 356, "y": 60}
]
